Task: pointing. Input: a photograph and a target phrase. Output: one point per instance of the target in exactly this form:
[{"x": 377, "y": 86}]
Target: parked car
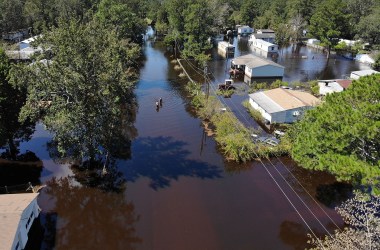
[{"x": 279, "y": 133}]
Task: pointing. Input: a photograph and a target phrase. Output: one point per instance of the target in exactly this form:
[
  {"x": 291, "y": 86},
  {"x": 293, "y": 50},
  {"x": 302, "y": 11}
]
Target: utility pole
[
  {"x": 207, "y": 82},
  {"x": 175, "y": 47},
  {"x": 227, "y": 63}
]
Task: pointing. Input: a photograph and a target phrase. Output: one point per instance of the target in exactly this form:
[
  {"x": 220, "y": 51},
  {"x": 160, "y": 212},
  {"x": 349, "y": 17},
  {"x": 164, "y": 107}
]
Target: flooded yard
[{"x": 175, "y": 190}]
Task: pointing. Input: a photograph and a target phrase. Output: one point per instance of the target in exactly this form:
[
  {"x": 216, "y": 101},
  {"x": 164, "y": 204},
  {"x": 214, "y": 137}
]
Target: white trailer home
[
  {"x": 225, "y": 49},
  {"x": 266, "y": 46},
  {"x": 282, "y": 105},
  {"x": 258, "y": 67},
  {"x": 268, "y": 37}
]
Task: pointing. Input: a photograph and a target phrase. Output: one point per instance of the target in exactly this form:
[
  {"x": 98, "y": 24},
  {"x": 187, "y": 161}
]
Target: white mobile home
[
  {"x": 258, "y": 67},
  {"x": 266, "y": 46},
  {"x": 226, "y": 49},
  {"x": 282, "y": 105},
  {"x": 17, "y": 212},
  {"x": 268, "y": 37}
]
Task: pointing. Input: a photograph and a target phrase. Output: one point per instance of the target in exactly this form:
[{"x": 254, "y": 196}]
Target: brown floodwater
[{"x": 177, "y": 191}]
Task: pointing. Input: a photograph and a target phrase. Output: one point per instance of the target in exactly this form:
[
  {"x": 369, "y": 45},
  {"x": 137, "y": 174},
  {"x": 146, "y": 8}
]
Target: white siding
[
  {"x": 286, "y": 116},
  {"x": 264, "y": 45},
  {"x": 261, "y": 110},
  {"x": 27, "y": 218},
  {"x": 266, "y": 71}
]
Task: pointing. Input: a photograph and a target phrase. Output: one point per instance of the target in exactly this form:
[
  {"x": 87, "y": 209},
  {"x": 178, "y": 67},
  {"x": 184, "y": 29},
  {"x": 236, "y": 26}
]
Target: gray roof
[
  {"x": 365, "y": 72},
  {"x": 264, "y": 35},
  {"x": 265, "y": 31},
  {"x": 253, "y": 61},
  {"x": 266, "y": 103}
]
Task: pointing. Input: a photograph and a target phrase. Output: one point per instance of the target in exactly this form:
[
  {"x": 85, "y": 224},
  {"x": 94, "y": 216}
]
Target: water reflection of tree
[
  {"x": 88, "y": 218},
  {"x": 90, "y": 174},
  {"x": 15, "y": 168},
  {"x": 294, "y": 234},
  {"x": 162, "y": 159},
  {"x": 320, "y": 185},
  {"x": 21, "y": 172}
]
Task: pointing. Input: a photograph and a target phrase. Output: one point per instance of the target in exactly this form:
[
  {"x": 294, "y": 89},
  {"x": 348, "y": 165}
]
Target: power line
[
  {"x": 281, "y": 188},
  {"x": 294, "y": 190},
  {"x": 221, "y": 100}
]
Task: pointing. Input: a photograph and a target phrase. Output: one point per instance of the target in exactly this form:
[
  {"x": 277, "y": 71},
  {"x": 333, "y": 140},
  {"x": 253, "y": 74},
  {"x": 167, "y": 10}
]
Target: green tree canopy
[
  {"x": 198, "y": 28},
  {"x": 342, "y": 135},
  {"x": 84, "y": 93},
  {"x": 11, "y": 17},
  {"x": 119, "y": 14},
  {"x": 329, "y": 22},
  {"x": 368, "y": 27},
  {"x": 301, "y": 8}
]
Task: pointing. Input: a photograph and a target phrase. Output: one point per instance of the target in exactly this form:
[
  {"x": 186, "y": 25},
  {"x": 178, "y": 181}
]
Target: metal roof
[
  {"x": 365, "y": 72},
  {"x": 264, "y": 35},
  {"x": 265, "y": 31},
  {"x": 265, "y": 43},
  {"x": 253, "y": 61},
  {"x": 11, "y": 209},
  {"x": 279, "y": 99},
  {"x": 266, "y": 103}
]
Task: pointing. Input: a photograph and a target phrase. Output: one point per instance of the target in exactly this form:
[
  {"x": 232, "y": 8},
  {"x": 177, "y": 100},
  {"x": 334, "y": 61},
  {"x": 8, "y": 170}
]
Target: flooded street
[{"x": 176, "y": 191}]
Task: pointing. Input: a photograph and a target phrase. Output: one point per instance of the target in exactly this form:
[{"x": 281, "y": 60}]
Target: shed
[
  {"x": 357, "y": 74},
  {"x": 17, "y": 212},
  {"x": 258, "y": 67},
  {"x": 331, "y": 86},
  {"x": 282, "y": 105}
]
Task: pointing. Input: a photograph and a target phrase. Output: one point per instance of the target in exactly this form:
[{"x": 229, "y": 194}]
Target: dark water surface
[{"x": 180, "y": 193}]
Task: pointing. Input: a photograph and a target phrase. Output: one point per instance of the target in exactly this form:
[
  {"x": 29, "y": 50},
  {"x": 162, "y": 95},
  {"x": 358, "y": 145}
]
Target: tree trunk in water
[
  {"x": 13, "y": 151},
  {"x": 328, "y": 51}
]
